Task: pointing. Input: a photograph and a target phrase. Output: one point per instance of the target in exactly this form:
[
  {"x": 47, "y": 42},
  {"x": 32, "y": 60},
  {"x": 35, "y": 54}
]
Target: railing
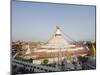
[{"x": 36, "y": 67}]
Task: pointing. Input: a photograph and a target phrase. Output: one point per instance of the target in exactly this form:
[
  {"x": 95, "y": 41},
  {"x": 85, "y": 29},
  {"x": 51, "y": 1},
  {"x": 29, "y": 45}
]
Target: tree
[
  {"x": 45, "y": 61},
  {"x": 30, "y": 60},
  {"x": 83, "y": 61}
]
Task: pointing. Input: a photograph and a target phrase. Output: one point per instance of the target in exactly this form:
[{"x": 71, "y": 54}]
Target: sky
[{"x": 33, "y": 21}]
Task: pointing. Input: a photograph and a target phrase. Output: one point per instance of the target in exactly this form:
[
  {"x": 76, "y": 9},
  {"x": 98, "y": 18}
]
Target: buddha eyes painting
[{"x": 52, "y": 37}]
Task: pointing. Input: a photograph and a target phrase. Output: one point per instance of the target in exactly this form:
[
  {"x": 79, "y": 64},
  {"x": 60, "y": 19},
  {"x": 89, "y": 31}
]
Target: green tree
[
  {"x": 45, "y": 61},
  {"x": 30, "y": 60}
]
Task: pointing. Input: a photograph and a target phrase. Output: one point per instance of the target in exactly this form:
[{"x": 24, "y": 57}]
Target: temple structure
[{"x": 58, "y": 47}]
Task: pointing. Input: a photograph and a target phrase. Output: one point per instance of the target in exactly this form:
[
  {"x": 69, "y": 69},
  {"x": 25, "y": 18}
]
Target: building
[{"x": 58, "y": 47}]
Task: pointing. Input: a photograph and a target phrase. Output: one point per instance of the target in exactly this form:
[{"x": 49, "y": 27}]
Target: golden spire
[{"x": 57, "y": 27}]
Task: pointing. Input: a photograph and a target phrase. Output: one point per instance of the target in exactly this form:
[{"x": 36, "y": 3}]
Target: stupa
[{"x": 58, "y": 47}]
